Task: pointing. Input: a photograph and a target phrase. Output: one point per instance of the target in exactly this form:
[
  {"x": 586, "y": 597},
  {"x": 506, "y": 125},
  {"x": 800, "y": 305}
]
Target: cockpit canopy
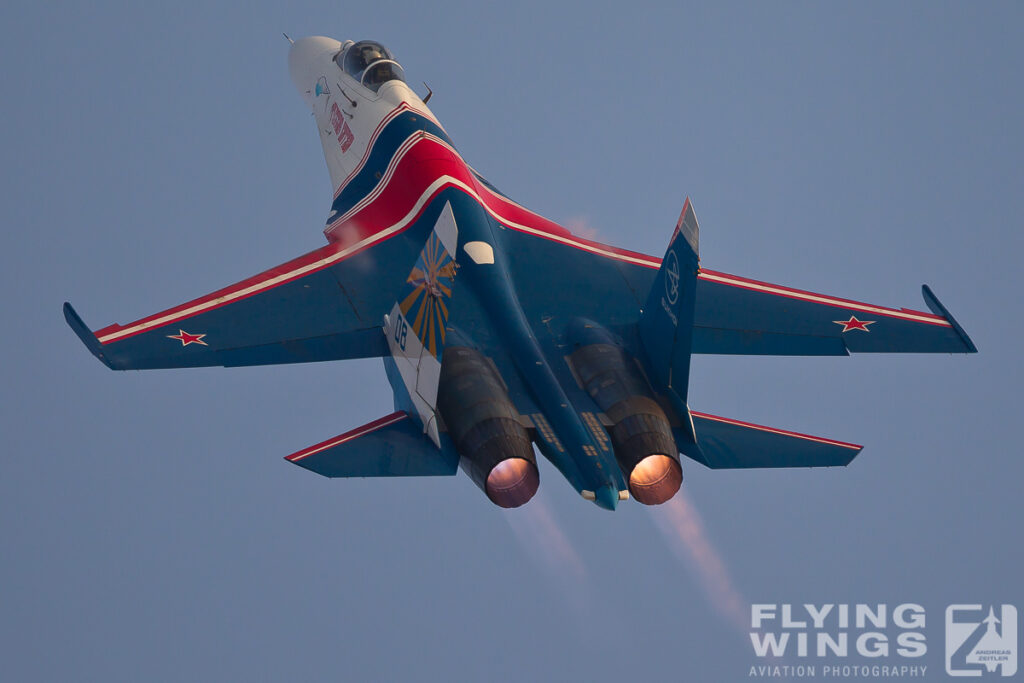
[{"x": 370, "y": 63}]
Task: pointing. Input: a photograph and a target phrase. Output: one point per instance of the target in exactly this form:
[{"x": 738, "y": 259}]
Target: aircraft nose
[
  {"x": 607, "y": 497},
  {"x": 308, "y": 59}
]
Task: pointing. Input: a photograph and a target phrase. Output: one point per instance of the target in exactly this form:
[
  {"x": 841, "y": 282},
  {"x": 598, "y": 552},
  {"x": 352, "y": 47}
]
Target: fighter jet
[{"x": 500, "y": 330}]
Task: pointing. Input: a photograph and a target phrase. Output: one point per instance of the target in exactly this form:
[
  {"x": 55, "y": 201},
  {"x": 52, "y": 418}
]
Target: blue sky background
[{"x": 149, "y": 529}]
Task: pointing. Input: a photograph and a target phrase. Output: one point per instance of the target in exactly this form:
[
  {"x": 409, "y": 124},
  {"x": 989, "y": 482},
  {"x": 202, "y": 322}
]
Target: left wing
[{"x": 320, "y": 306}]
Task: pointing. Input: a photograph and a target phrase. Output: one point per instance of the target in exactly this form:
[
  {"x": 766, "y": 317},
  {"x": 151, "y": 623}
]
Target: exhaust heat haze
[{"x": 681, "y": 525}]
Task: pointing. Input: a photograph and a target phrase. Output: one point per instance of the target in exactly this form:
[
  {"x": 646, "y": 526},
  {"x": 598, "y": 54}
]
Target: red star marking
[
  {"x": 854, "y": 324},
  {"x": 185, "y": 338}
]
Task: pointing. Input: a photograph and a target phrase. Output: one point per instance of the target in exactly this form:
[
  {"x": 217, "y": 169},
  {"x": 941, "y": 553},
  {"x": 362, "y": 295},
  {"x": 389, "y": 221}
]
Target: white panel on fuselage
[
  {"x": 410, "y": 358},
  {"x": 415, "y": 345}
]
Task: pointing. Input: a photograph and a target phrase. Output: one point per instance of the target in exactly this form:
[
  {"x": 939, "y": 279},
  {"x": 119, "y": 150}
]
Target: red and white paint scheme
[
  {"x": 347, "y": 115},
  {"x": 774, "y": 430},
  {"x": 379, "y": 423},
  {"x": 553, "y": 340},
  {"x": 854, "y": 324},
  {"x": 185, "y": 338}
]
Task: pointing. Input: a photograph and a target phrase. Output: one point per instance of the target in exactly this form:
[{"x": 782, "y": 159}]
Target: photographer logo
[{"x": 981, "y": 640}]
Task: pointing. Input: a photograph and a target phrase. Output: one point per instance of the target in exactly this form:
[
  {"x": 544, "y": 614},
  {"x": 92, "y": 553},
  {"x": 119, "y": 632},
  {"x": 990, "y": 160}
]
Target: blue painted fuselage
[{"x": 486, "y": 310}]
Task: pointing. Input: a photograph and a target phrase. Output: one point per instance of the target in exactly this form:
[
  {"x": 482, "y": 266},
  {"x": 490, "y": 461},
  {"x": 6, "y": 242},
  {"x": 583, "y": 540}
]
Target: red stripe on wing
[
  {"x": 773, "y": 430},
  {"x": 348, "y": 436}
]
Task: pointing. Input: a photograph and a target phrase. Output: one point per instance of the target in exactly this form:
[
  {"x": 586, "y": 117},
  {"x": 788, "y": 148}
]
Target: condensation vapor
[
  {"x": 681, "y": 525},
  {"x": 581, "y": 227},
  {"x": 537, "y": 531}
]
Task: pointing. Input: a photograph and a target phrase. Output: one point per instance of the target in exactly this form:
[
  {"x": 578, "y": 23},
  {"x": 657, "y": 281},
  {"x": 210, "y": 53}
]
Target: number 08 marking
[{"x": 401, "y": 330}]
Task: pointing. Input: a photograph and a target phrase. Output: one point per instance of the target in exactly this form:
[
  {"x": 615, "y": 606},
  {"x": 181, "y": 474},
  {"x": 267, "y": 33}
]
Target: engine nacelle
[
  {"x": 494, "y": 447},
  {"x": 640, "y": 431}
]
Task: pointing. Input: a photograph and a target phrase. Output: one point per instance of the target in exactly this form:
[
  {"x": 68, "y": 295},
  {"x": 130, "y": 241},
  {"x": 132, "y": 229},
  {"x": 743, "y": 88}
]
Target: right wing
[{"x": 326, "y": 305}]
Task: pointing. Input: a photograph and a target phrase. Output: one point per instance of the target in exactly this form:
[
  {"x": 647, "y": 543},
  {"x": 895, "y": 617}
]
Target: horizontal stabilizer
[
  {"x": 393, "y": 446},
  {"x": 725, "y": 443}
]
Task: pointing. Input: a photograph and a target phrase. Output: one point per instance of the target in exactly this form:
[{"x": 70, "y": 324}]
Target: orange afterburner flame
[
  {"x": 512, "y": 482},
  {"x": 655, "y": 479}
]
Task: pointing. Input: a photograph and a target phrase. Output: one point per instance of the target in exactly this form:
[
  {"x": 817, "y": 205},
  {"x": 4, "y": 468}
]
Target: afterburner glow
[
  {"x": 512, "y": 482},
  {"x": 655, "y": 479}
]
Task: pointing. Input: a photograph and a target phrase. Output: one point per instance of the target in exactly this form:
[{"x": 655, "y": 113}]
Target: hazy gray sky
[{"x": 150, "y": 529}]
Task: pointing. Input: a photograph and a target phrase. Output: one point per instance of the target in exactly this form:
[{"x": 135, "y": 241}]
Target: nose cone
[
  {"x": 607, "y": 497},
  {"x": 308, "y": 59}
]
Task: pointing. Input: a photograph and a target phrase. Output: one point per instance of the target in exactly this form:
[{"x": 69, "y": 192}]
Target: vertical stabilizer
[{"x": 666, "y": 324}]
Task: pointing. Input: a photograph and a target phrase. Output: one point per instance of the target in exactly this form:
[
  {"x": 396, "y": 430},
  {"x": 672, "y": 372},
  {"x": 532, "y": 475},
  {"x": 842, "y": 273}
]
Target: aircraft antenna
[{"x": 345, "y": 95}]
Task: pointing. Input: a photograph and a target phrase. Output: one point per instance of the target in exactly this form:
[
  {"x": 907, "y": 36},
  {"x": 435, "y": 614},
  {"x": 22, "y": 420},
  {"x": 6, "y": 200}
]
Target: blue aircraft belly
[{"x": 496, "y": 321}]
